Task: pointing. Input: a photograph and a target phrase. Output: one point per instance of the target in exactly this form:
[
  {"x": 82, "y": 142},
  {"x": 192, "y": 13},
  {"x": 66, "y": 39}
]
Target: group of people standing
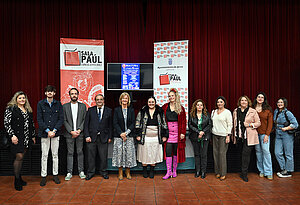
[
  {"x": 159, "y": 131},
  {"x": 249, "y": 127}
]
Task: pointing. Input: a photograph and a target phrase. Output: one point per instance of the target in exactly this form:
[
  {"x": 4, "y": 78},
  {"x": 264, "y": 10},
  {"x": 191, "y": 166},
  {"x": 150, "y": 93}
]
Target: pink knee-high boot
[
  {"x": 169, "y": 168},
  {"x": 174, "y": 166}
]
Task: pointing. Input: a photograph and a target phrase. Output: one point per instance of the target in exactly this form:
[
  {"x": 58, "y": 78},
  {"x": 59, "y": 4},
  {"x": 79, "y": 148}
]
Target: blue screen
[{"x": 130, "y": 76}]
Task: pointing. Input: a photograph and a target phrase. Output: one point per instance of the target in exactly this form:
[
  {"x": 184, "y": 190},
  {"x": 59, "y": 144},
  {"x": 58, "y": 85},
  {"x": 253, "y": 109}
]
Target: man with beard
[
  {"x": 98, "y": 133},
  {"x": 74, "y": 115}
]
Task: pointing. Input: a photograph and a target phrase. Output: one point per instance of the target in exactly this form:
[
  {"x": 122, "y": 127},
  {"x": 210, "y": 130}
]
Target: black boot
[
  {"x": 244, "y": 177},
  {"x": 151, "y": 175},
  {"x": 23, "y": 183},
  {"x": 18, "y": 185},
  {"x": 145, "y": 174},
  {"x": 197, "y": 174},
  {"x": 203, "y": 175}
]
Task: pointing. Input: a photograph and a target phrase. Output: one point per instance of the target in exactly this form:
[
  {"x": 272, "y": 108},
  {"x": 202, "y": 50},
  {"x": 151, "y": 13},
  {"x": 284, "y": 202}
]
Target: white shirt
[
  {"x": 222, "y": 123},
  {"x": 74, "y": 108}
]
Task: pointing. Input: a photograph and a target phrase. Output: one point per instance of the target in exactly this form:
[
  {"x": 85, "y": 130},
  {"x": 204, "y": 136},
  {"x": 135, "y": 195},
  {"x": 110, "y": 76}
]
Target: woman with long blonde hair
[
  {"x": 18, "y": 122},
  {"x": 175, "y": 145}
]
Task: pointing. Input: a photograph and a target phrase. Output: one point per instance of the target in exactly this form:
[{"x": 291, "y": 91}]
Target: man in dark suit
[
  {"x": 98, "y": 133},
  {"x": 74, "y": 115}
]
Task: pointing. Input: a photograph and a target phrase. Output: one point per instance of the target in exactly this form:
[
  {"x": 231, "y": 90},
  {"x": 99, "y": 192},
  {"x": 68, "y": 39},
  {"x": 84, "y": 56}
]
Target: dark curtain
[{"x": 235, "y": 47}]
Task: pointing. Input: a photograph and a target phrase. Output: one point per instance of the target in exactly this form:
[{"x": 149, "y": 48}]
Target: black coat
[
  {"x": 17, "y": 127},
  {"x": 119, "y": 124},
  {"x": 206, "y": 127},
  {"x": 92, "y": 126}
]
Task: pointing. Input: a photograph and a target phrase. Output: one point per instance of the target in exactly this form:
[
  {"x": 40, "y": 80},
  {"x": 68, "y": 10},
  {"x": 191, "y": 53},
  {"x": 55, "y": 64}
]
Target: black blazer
[
  {"x": 119, "y": 124},
  {"x": 92, "y": 126},
  {"x": 206, "y": 127}
]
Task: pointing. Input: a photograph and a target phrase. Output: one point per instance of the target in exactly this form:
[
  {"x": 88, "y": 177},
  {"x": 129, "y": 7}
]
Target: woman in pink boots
[{"x": 175, "y": 145}]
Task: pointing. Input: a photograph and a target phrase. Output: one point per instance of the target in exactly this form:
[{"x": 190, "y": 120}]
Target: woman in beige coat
[{"x": 245, "y": 122}]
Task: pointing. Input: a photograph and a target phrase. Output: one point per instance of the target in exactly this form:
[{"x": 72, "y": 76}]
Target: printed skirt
[{"x": 124, "y": 153}]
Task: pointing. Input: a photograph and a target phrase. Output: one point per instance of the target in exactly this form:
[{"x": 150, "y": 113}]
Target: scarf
[{"x": 240, "y": 122}]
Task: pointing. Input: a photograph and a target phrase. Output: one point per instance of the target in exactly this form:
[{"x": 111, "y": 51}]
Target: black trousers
[
  {"x": 200, "y": 154},
  {"x": 92, "y": 149},
  {"x": 246, "y": 154}
]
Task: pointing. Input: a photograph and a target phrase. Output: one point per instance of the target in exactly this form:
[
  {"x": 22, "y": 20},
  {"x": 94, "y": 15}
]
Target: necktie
[{"x": 99, "y": 114}]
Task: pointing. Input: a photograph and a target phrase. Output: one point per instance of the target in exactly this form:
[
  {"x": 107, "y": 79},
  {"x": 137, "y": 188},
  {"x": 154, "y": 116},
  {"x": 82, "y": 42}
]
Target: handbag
[
  {"x": 4, "y": 143},
  {"x": 293, "y": 131}
]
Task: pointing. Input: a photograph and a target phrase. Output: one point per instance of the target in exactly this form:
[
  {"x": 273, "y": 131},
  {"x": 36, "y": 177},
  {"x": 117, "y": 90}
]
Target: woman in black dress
[{"x": 18, "y": 122}]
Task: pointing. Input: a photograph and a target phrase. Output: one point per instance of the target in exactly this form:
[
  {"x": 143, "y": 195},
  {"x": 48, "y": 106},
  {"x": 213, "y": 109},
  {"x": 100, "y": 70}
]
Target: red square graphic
[
  {"x": 71, "y": 58},
  {"x": 164, "y": 79}
]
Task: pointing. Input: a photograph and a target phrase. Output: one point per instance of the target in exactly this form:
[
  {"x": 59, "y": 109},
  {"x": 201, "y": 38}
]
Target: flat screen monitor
[{"x": 130, "y": 76}]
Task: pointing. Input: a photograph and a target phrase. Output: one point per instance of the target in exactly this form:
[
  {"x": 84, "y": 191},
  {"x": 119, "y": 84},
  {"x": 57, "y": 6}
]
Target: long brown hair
[
  {"x": 13, "y": 101},
  {"x": 194, "y": 108}
]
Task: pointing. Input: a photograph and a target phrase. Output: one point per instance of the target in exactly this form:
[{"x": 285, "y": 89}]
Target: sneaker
[
  {"x": 43, "y": 181},
  {"x": 82, "y": 175},
  {"x": 56, "y": 179},
  {"x": 68, "y": 177},
  {"x": 270, "y": 177},
  {"x": 284, "y": 174},
  {"x": 261, "y": 175}
]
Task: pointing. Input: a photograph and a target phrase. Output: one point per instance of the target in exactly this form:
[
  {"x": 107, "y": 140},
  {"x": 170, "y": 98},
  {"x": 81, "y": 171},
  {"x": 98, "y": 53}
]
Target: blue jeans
[
  {"x": 285, "y": 144},
  {"x": 263, "y": 155}
]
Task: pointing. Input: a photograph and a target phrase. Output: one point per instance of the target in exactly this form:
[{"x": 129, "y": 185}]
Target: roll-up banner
[
  {"x": 82, "y": 67},
  {"x": 171, "y": 71}
]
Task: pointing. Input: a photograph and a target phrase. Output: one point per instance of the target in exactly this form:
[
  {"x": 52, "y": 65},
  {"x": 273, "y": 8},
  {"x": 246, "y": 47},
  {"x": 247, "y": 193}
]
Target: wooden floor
[{"x": 184, "y": 189}]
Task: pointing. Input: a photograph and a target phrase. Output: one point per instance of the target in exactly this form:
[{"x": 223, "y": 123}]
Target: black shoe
[
  {"x": 203, "y": 175},
  {"x": 145, "y": 173},
  {"x": 23, "y": 183},
  {"x": 43, "y": 181},
  {"x": 18, "y": 185},
  {"x": 244, "y": 177},
  {"x": 56, "y": 179},
  {"x": 197, "y": 174},
  {"x": 151, "y": 174},
  {"x": 105, "y": 176},
  {"x": 88, "y": 177}
]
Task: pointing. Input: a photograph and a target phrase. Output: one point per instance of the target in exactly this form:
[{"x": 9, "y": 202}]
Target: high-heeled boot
[
  {"x": 169, "y": 168},
  {"x": 18, "y": 185},
  {"x": 174, "y": 166},
  {"x": 23, "y": 183},
  {"x": 145, "y": 174},
  {"x": 151, "y": 174},
  {"x": 120, "y": 173},
  {"x": 127, "y": 172}
]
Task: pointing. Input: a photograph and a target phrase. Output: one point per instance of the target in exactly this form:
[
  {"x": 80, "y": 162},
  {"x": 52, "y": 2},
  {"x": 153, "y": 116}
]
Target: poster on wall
[
  {"x": 82, "y": 67},
  {"x": 171, "y": 70}
]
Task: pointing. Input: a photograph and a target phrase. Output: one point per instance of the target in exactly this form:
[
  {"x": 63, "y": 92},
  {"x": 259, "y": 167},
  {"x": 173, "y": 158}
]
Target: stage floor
[{"x": 184, "y": 189}]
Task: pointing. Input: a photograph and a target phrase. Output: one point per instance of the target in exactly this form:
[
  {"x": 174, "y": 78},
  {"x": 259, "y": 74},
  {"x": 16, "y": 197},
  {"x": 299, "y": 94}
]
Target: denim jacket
[{"x": 281, "y": 120}]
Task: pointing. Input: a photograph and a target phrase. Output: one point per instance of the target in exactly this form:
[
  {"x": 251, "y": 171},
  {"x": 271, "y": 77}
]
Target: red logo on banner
[
  {"x": 71, "y": 58},
  {"x": 164, "y": 80}
]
